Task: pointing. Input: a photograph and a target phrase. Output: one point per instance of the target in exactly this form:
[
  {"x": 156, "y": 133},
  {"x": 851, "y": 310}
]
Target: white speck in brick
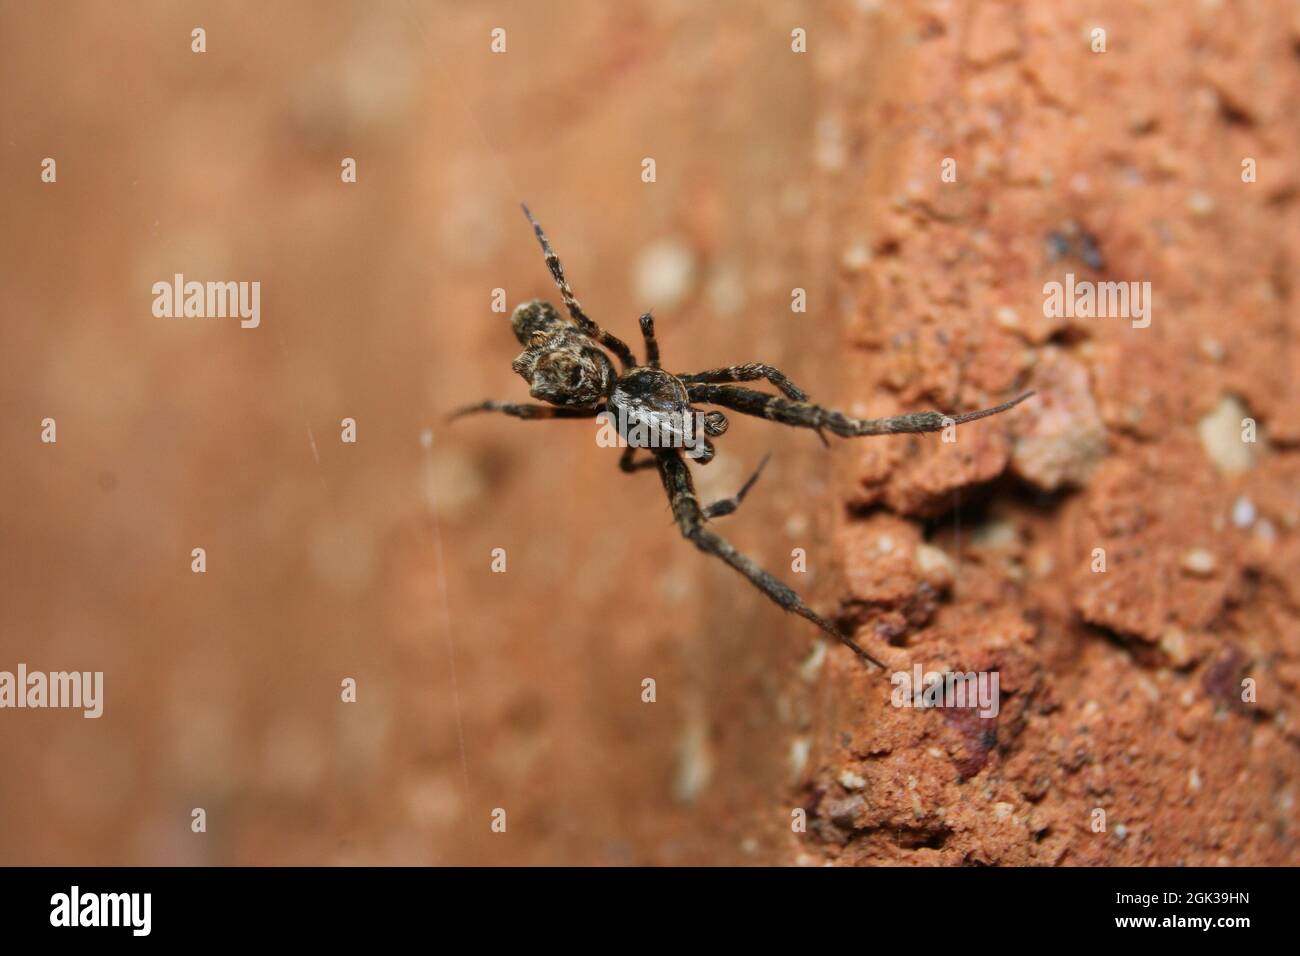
[
  {"x": 1200, "y": 203},
  {"x": 1266, "y": 532},
  {"x": 856, "y": 257},
  {"x": 1243, "y": 512},
  {"x": 800, "y": 748},
  {"x": 1221, "y": 433},
  {"x": 1199, "y": 562},
  {"x": 812, "y": 664},
  {"x": 852, "y": 781}
]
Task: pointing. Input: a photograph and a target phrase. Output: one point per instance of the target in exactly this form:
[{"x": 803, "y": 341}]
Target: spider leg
[
  {"x": 750, "y": 372},
  {"x": 628, "y": 463},
  {"x": 527, "y": 411},
  {"x": 690, "y": 520},
  {"x": 585, "y": 323},
  {"x": 702, "y": 451},
  {"x": 651, "y": 343},
  {"x": 714, "y": 423},
  {"x": 728, "y": 506},
  {"x": 807, "y": 415}
]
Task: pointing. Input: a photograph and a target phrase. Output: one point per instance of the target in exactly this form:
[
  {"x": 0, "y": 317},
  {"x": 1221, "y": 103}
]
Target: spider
[{"x": 568, "y": 365}]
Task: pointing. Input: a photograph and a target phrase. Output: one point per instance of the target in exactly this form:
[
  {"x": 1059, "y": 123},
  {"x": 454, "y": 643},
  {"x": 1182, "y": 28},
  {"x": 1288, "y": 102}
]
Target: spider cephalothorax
[
  {"x": 566, "y": 365},
  {"x": 561, "y": 365},
  {"x": 564, "y": 368}
]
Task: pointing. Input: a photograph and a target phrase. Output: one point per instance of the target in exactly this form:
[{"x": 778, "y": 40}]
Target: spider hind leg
[
  {"x": 628, "y": 463},
  {"x": 728, "y": 506},
  {"x": 690, "y": 520}
]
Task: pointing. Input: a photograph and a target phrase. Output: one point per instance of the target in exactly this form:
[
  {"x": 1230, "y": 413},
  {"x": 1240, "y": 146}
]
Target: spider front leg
[
  {"x": 585, "y": 323},
  {"x": 806, "y": 415},
  {"x": 690, "y": 519},
  {"x": 527, "y": 411},
  {"x": 750, "y": 372}
]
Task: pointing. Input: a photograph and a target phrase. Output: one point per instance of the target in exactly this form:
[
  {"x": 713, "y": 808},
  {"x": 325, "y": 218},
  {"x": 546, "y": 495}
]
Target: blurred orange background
[{"x": 327, "y": 560}]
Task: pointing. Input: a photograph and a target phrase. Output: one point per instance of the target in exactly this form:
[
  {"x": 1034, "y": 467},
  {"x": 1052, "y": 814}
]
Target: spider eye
[{"x": 575, "y": 377}]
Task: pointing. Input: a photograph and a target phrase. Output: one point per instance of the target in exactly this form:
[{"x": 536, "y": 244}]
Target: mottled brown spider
[{"x": 566, "y": 365}]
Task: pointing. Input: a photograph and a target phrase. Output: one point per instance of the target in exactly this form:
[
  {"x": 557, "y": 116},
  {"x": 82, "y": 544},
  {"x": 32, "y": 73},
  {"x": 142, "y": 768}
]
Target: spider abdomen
[{"x": 651, "y": 410}]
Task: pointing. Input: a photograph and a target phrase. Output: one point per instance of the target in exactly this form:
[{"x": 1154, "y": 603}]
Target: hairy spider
[{"x": 566, "y": 365}]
